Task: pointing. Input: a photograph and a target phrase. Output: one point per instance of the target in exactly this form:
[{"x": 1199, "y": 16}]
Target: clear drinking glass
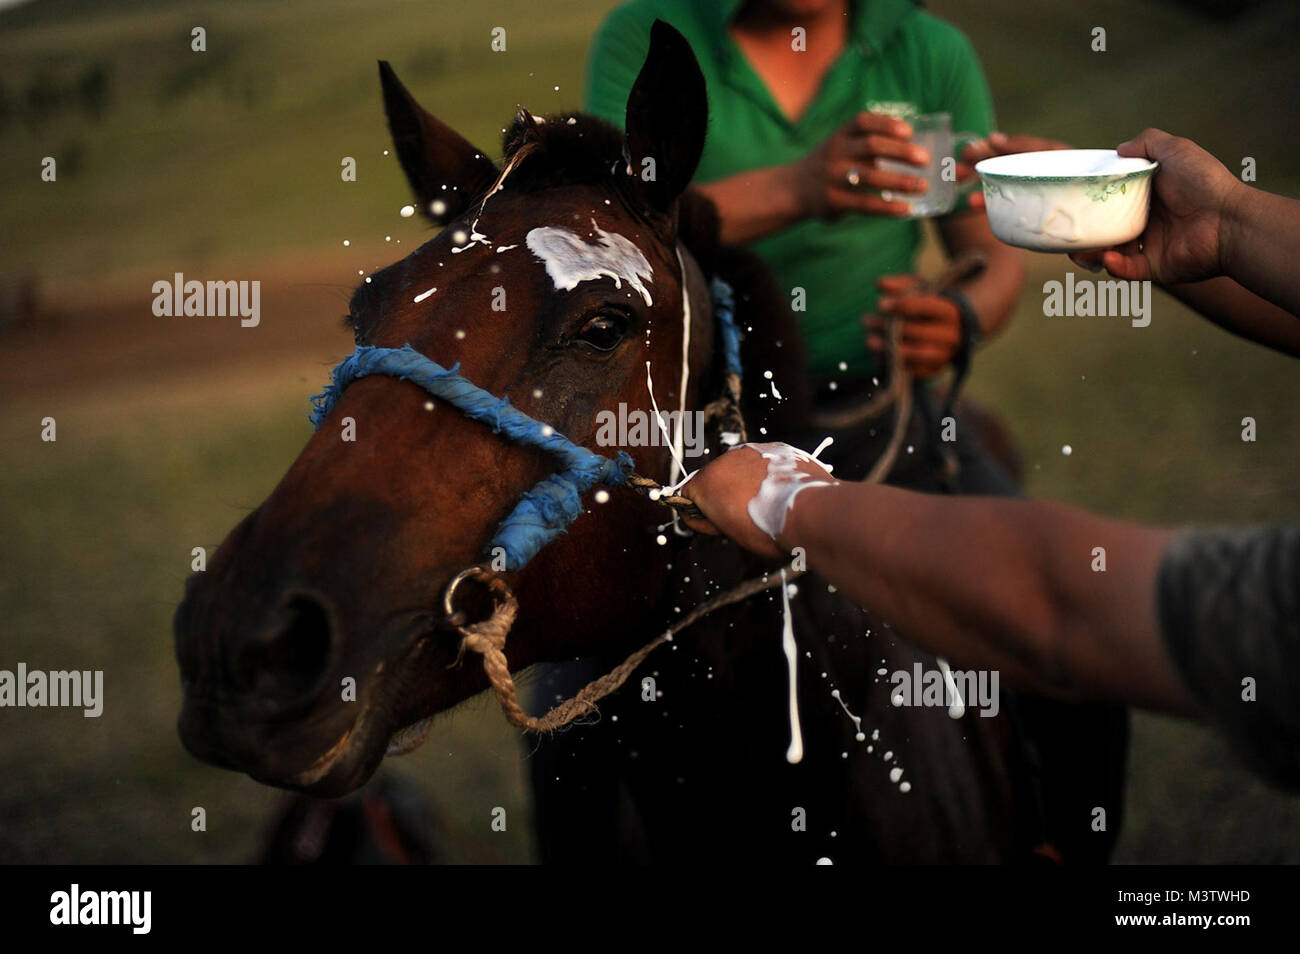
[{"x": 933, "y": 132}]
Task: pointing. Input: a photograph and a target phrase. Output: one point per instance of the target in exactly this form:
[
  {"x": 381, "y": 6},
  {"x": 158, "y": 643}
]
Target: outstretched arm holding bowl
[
  {"x": 1224, "y": 248},
  {"x": 1213, "y": 242}
]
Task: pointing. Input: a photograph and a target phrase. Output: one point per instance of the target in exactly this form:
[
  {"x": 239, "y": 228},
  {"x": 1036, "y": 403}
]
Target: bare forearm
[
  {"x": 1003, "y": 584},
  {"x": 755, "y": 204},
  {"x": 1242, "y": 312},
  {"x": 1261, "y": 246}
]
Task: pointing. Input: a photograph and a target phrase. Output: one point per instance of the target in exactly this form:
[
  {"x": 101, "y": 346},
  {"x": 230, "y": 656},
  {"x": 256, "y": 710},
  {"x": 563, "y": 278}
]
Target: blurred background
[{"x": 226, "y": 165}]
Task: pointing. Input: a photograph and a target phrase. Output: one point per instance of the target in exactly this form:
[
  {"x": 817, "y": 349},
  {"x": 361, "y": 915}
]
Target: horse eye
[{"x": 604, "y": 332}]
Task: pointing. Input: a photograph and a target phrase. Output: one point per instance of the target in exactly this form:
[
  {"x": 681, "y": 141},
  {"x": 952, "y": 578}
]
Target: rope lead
[{"x": 488, "y": 639}]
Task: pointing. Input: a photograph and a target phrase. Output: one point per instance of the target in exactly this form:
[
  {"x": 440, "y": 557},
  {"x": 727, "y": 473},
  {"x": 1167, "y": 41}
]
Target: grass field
[{"x": 227, "y": 163}]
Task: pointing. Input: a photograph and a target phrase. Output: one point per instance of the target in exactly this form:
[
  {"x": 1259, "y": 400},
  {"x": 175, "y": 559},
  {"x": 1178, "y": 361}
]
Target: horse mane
[{"x": 580, "y": 149}]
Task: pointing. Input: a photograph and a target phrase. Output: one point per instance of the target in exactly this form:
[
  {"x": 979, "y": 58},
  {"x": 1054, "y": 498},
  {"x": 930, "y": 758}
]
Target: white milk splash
[
  {"x": 570, "y": 260},
  {"x": 794, "y": 753},
  {"x": 784, "y": 482}
]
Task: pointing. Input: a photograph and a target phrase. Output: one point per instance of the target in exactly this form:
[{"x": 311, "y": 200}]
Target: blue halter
[
  {"x": 545, "y": 511},
  {"x": 724, "y": 313}
]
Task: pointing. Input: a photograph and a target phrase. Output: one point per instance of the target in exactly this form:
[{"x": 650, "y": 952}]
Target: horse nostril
[{"x": 289, "y": 659}]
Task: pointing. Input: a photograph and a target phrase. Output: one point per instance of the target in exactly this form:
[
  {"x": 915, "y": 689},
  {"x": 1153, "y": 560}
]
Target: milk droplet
[
  {"x": 1067, "y": 450},
  {"x": 825, "y": 861},
  {"x": 895, "y": 774},
  {"x": 407, "y": 211},
  {"x": 661, "y": 540},
  {"x": 602, "y": 496},
  {"x": 346, "y": 242}
]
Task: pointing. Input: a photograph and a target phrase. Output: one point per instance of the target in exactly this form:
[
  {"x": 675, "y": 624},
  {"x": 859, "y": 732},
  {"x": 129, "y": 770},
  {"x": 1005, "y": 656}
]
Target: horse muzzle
[{"x": 272, "y": 699}]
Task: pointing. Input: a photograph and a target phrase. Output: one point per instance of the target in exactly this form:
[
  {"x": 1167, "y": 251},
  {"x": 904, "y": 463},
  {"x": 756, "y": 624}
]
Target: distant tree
[
  {"x": 42, "y": 99},
  {"x": 93, "y": 91},
  {"x": 1219, "y": 9}
]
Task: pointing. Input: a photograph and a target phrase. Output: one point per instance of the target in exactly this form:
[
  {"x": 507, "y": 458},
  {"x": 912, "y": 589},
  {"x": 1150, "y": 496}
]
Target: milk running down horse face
[{"x": 315, "y": 633}]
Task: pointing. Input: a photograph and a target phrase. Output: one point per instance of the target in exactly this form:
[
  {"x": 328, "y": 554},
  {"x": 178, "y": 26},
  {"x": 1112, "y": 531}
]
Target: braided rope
[
  {"x": 651, "y": 489},
  {"x": 488, "y": 639}
]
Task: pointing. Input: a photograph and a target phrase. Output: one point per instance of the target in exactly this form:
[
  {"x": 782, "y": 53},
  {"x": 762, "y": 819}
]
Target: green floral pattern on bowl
[{"x": 1102, "y": 192}]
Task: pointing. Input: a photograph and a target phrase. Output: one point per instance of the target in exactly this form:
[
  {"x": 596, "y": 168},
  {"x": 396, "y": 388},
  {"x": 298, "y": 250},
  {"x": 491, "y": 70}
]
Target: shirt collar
[{"x": 874, "y": 21}]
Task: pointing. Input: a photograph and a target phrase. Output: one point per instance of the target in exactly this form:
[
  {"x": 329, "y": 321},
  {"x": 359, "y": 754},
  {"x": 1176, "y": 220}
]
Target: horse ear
[
  {"x": 434, "y": 156},
  {"x": 667, "y": 116}
]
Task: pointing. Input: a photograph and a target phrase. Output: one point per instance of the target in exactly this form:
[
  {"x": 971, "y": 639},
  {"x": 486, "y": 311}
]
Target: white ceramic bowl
[{"x": 1066, "y": 200}]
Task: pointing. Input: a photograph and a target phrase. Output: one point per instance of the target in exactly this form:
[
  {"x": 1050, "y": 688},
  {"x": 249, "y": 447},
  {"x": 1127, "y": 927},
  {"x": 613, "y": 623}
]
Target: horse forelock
[
  {"x": 572, "y": 149},
  {"x": 577, "y": 149}
]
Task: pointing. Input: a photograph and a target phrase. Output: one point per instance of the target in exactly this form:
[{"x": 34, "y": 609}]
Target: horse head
[{"x": 558, "y": 282}]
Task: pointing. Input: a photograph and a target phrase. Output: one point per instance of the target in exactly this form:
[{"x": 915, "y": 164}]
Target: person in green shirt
[{"x": 804, "y": 97}]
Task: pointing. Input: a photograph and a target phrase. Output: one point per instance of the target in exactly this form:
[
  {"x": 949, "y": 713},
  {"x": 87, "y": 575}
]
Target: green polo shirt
[{"x": 899, "y": 60}]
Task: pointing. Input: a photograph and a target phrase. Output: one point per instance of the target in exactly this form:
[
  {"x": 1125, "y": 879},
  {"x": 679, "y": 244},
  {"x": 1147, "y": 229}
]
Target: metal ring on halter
[
  {"x": 492, "y": 627},
  {"x": 853, "y": 177},
  {"x": 453, "y": 615}
]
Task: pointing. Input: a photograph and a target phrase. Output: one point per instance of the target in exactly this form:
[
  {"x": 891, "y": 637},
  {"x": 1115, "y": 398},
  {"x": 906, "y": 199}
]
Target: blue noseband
[
  {"x": 545, "y": 511},
  {"x": 542, "y": 513}
]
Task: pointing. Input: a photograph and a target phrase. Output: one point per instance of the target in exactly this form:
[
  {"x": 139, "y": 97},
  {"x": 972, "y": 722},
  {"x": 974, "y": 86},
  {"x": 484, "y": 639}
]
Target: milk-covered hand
[{"x": 747, "y": 492}]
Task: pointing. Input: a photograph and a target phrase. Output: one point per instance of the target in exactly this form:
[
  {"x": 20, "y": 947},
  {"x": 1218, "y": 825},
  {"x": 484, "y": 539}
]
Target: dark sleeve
[{"x": 1229, "y": 604}]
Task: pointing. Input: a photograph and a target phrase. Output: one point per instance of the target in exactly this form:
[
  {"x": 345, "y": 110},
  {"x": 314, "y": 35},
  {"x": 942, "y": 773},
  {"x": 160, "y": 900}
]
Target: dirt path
[{"x": 117, "y": 345}]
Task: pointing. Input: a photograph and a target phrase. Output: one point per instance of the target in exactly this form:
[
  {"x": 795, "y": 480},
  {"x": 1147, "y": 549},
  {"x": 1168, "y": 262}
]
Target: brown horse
[{"x": 334, "y": 581}]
